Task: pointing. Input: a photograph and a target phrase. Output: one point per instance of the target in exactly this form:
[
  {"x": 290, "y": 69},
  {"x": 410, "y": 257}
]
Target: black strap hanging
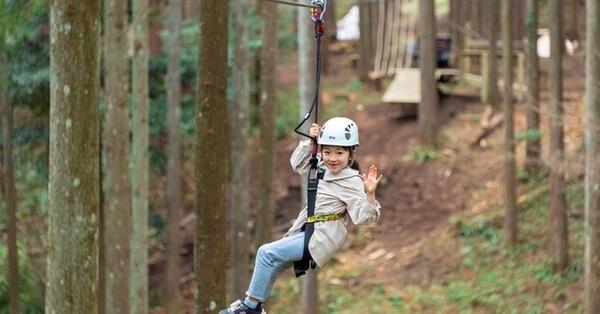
[{"x": 314, "y": 173}]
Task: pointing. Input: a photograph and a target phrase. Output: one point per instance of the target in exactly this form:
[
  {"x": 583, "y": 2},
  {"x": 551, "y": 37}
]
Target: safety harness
[{"x": 318, "y": 8}]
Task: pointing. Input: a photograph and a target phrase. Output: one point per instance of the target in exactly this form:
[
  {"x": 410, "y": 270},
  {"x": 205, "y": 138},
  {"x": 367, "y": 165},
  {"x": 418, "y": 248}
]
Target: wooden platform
[{"x": 406, "y": 85}]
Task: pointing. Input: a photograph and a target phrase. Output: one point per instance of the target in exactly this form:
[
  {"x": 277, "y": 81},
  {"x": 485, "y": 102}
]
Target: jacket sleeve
[
  {"x": 300, "y": 159},
  {"x": 359, "y": 209}
]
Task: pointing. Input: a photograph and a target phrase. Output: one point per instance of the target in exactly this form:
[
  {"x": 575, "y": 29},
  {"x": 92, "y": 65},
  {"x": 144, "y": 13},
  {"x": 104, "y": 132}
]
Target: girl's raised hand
[
  {"x": 315, "y": 129},
  {"x": 371, "y": 179}
]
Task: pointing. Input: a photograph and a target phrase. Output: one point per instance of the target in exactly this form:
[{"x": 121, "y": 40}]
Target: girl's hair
[{"x": 353, "y": 163}]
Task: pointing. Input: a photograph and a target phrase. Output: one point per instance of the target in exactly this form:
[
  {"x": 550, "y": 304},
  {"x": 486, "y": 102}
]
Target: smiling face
[{"x": 335, "y": 158}]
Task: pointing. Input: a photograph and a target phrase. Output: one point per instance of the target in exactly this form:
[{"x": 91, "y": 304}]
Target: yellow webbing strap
[{"x": 326, "y": 217}]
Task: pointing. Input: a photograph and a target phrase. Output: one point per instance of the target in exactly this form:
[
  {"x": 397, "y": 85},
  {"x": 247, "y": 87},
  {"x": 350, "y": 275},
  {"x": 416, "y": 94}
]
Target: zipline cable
[{"x": 295, "y": 4}]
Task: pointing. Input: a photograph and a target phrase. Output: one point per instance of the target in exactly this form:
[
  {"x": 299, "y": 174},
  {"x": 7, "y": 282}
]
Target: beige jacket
[{"x": 337, "y": 193}]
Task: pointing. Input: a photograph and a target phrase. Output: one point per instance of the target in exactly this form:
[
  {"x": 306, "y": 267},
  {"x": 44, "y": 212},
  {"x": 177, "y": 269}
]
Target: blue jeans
[{"x": 271, "y": 259}]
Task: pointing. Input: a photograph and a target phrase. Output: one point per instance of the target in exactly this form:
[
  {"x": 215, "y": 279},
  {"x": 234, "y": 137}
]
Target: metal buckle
[{"x": 318, "y": 14}]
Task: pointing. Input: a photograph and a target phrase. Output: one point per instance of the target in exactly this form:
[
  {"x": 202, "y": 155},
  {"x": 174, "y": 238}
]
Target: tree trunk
[
  {"x": 428, "y": 108},
  {"x": 239, "y": 208},
  {"x": 558, "y": 204},
  {"x": 476, "y": 23},
  {"x": 306, "y": 87},
  {"x": 572, "y": 29},
  {"x": 510, "y": 217},
  {"x": 266, "y": 150},
  {"x": 366, "y": 59},
  {"x": 519, "y": 10},
  {"x": 174, "y": 206},
  {"x": 533, "y": 149},
  {"x": 592, "y": 162},
  {"x": 455, "y": 29},
  {"x": 491, "y": 21},
  {"x": 212, "y": 158},
  {"x": 8, "y": 183},
  {"x": 73, "y": 189},
  {"x": 310, "y": 292},
  {"x": 117, "y": 188},
  {"x": 140, "y": 160},
  {"x": 328, "y": 37}
]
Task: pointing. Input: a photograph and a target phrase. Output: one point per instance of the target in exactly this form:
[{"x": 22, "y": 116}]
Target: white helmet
[{"x": 339, "y": 132}]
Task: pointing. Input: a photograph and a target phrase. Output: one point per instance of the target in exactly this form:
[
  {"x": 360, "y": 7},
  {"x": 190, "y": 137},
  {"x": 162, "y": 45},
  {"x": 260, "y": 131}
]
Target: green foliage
[
  {"x": 527, "y": 135},
  {"x": 28, "y": 49},
  {"x": 30, "y": 286},
  {"x": 421, "y": 155}
]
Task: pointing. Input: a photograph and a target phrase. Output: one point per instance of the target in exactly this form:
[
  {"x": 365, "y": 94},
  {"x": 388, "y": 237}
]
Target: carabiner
[{"x": 317, "y": 14}]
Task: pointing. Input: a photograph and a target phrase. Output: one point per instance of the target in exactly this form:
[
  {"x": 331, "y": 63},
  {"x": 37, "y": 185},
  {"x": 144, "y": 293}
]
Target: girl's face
[{"x": 335, "y": 158}]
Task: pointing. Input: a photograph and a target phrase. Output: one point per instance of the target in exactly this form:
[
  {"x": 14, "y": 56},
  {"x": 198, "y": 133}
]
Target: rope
[{"x": 319, "y": 31}]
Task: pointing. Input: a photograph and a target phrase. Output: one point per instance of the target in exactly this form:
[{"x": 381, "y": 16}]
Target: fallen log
[{"x": 494, "y": 123}]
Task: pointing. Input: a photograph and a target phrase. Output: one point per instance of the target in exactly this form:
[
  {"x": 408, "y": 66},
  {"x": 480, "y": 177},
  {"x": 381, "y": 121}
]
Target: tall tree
[
  {"x": 510, "y": 202},
  {"x": 306, "y": 88},
  {"x": 239, "y": 205},
  {"x": 140, "y": 159},
  {"x": 329, "y": 37},
  {"x": 475, "y": 17},
  {"x": 491, "y": 27},
  {"x": 428, "y": 108},
  {"x": 212, "y": 157},
  {"x": 74, "y": 175},
  {"x": 366, "y": 58},
  {"x": 518, "y": 24},
  {"x": 8, "y": 181},
  {"x": 533, "y": 146},
  {"x": 558, "y": 204},
  {"x": 117, "y": 187},
  {"x": 454, "y": 19},
  {"x": 572, "y": 22},
  {"x": 174, "y": 206},
  {"x": 266, "y": 150},
  {"x": 592, "y": 160}
]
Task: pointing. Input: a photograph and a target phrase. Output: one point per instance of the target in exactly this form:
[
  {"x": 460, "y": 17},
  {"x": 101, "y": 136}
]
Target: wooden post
[{"x": 484, "y": 94}]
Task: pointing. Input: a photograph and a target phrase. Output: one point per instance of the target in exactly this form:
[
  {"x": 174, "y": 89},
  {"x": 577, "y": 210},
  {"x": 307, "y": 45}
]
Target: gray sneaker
[{"x": 238, "y": 307}]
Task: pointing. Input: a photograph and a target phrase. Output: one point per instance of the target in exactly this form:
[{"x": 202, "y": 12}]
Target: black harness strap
[{"x": 315, "y": 173}]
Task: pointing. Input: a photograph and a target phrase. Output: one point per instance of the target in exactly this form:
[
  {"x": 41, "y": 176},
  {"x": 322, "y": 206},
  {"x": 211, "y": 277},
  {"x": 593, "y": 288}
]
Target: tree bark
[
  {"x": 533, "y": 146},
  {"x": 519, "y": 10},
  {"x": 212, "y": 158},
  {"x": 117, "y": 187},
  {"x": 174, "y": 206},
  {"x": 558, "y": 204},
  {"x": 366, "y": 59},
  {"x": 491, "y": 21},
  {"x": 428, "y": 108},
  {"x": 8, "y": 183},
  {"x": 306, "y": 88},
  {"x": 572, "y": 29},
  {"x": 140, "y": 159},
  {"x": 328, "y": 37},
  {"x": 240, "y": 183},
  {"x": 74, "y": 176},
  {"x": 455, "y": 25},
  {"x": 310, "y": 292},
  {"x": 266, "y": 150},
  {"x": 475, "y": 19},
  {"x": 592, "y": 158},
  {"x": 510, "y": 217}
]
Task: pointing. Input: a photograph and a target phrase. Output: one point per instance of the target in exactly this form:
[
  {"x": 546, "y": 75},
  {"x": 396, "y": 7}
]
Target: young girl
[{"x": 342, "y": 194}]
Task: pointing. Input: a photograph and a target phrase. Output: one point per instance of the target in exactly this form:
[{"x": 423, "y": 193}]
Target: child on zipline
[{"x": 342, "y": 193}]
